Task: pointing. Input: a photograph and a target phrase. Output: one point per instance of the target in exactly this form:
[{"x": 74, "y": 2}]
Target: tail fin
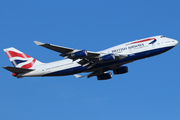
[{"x": 21, "y": 60}]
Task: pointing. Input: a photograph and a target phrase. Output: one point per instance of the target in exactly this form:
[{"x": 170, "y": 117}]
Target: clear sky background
[{"x": 149, "y": 91}]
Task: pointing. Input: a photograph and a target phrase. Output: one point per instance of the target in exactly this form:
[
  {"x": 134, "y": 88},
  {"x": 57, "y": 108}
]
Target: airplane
[{"x": 82, "y": 61}]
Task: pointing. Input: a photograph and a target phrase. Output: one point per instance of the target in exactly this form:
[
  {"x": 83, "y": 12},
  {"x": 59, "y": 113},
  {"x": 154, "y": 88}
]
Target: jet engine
[
  {"x": 121, "y": 70},
  {"x": 108, "y": 57},
  {"x": 104, "y": 76},
  {"x": 79, "y": 54}
]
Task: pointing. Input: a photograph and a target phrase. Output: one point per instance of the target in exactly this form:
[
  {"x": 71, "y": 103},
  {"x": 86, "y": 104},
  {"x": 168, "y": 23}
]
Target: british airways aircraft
[{"x": 80, "y": 61}]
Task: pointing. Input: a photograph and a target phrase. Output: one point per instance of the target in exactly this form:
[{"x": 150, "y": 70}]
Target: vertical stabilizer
[{"x": 20, "y": 59}]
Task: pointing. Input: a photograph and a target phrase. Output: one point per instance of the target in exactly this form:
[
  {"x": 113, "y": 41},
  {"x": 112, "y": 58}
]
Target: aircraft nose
[{"x": 175, "y": 42}]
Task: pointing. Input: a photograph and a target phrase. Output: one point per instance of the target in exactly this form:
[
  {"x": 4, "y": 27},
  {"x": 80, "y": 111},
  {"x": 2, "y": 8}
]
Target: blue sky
[{"x": 149, "y": 91}]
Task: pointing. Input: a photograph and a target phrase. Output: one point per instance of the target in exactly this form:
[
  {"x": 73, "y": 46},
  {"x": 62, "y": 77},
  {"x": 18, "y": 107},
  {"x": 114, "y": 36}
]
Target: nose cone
[
  {"x": 174, "y": 42},
  {"x": 171, "y": 42}
]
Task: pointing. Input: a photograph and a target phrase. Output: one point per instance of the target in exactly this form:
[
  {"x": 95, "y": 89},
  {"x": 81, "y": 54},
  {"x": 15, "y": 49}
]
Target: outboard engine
[
  {"x": 104, "y": 76},
  {"x": 79, "y": 54}
]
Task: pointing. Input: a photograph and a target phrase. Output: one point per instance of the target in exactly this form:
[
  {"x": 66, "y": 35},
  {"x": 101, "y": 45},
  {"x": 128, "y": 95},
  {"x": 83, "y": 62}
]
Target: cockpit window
[{"x": 162, "y": 36}]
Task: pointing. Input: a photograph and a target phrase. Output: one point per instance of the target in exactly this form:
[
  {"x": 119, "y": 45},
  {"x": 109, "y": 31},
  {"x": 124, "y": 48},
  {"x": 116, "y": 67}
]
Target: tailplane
[
  {"x": 15, "y": 71},
  {"x": 20, "y": 59}
]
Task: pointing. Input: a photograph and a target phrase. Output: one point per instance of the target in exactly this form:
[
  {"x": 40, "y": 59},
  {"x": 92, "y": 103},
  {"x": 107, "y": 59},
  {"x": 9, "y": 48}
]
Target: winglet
[{"x": 38, "y": 43}]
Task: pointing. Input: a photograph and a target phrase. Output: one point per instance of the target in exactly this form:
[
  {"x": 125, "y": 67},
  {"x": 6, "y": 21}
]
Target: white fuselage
[{"x": 135, "y": 50}]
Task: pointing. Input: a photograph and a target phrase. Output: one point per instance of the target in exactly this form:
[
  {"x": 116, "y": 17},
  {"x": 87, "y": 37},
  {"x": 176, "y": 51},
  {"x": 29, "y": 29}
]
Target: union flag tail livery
[
  {"x": 79, "y": 60},
  {"x": 21, "y": 60}
]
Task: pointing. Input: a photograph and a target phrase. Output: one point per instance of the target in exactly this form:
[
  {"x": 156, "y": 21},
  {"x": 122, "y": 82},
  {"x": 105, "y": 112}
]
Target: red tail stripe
[
  {"x": 15, "y": 54},
  {"x": 29, "y": 65}
]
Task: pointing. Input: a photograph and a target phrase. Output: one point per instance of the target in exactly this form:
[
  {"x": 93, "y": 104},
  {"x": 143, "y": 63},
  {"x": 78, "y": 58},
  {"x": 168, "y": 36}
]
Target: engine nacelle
[
  {"x": 79, "y": 54},
  {"x": 104, "y": 76},
  {"x": 121, "y": 70},
  {"x": 108, "y": 57}
]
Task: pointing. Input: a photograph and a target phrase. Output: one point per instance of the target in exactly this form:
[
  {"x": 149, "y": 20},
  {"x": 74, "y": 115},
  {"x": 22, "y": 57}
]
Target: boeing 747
[{"x": 82, "y": 61}]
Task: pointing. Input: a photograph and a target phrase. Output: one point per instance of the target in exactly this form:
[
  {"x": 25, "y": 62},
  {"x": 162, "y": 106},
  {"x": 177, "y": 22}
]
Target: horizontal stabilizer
[{"x": 17, "y": 70}]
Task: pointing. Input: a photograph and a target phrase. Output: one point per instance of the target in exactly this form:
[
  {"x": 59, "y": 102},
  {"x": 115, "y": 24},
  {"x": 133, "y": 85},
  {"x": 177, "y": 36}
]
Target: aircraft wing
[
  {"x": 87, "y": 58},
  {"x": 64, "y": 50}
]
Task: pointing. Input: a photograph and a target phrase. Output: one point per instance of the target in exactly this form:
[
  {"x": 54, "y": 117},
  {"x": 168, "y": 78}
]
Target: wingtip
[
  {"x": 77, "y": 76},
  {"x": 38, "y": 43}
]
